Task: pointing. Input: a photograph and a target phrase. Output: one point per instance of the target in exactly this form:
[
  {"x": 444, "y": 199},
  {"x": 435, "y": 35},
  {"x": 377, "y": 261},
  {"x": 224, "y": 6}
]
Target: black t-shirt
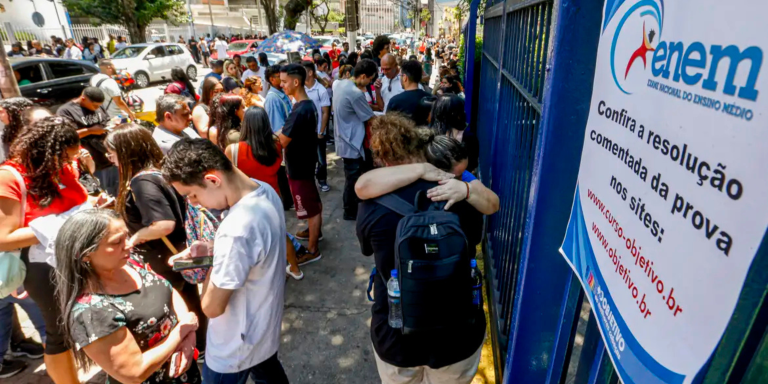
[
  {"x": 409, "y": 103},
  {"x": 301, "y": 127},
  {"x": 376, "y": 230},
  {"x": 153, "y": 199},
  {"x": 85, "y": 118}
]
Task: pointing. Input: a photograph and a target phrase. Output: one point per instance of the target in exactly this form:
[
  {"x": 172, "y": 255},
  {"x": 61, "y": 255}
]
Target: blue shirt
[
  {"x": 468, "y": 177},
  {"x": 278, "y": 107}
]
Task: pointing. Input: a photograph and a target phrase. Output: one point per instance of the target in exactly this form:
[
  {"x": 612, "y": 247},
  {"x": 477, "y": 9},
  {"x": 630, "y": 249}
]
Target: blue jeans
[
  {"x": 269, "y": 371},
  {"x": 6, "y": 316}
]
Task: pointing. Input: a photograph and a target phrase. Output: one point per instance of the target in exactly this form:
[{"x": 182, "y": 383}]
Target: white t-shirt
[
  {"x": 110, "y": 89},
  {"x": 260, "y": 73},
  {"x": 319, "y": 96},
  {"x": 221, "y": 47},
  {"x": 249, "y": 258}
]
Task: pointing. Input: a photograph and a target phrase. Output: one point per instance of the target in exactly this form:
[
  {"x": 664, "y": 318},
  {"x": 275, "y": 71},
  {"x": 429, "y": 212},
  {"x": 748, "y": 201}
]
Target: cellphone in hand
[{"x": 197, "y": 262}]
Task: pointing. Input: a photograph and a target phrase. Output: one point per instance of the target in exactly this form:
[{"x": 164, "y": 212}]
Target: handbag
[{"x": 12, "y": 269}]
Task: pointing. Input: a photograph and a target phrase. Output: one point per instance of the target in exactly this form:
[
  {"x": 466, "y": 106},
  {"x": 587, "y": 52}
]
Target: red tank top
[{"x": 255, "y": 170}]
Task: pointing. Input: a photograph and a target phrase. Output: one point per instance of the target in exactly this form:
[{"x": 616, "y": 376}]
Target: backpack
[{"x": 433, "y": 263}]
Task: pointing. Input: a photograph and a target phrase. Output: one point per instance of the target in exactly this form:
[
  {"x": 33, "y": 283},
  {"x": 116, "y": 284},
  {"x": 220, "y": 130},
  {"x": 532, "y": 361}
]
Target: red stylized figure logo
[{"x": 645, "y": 47}]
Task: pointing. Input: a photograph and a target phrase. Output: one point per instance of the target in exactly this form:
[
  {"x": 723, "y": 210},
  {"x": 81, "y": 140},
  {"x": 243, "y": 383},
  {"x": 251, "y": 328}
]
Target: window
[
  {"x": 128, "y": 52},
  {"x": 28, "y": 74},
  {"x": 174, "y": 50},
  {"x": 157, "y": 51},
  {"x": 65, "y": 69}
]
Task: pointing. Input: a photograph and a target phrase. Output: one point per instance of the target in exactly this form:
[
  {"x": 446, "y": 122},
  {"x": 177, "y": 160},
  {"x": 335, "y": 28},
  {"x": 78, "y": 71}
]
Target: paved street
[{"x": 155, "y": 90}]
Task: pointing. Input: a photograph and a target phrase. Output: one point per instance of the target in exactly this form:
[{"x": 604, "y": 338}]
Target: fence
[
  {"x": 534, "y": 90},
  {"x": 156, "y": 31}
]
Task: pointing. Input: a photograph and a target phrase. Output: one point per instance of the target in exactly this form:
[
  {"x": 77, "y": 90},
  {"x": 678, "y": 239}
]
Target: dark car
[{"x": 52, "y": 82}]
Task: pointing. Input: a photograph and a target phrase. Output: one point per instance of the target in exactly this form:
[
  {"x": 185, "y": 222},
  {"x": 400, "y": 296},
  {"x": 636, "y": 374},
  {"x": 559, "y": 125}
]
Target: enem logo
[{"x": 676, "y": 60}]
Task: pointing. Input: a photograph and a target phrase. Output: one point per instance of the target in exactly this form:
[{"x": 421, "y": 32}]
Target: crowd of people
[{"x": 102, "y": 209}]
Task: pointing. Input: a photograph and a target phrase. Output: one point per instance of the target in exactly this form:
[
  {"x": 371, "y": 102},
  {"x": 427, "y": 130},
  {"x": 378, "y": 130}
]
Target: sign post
[{"x": 670, "y": 206}]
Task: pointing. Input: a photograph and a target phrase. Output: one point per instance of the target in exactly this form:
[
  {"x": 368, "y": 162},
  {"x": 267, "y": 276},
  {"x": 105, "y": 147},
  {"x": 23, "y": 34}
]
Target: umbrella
[{"x": 288, "y": 41}]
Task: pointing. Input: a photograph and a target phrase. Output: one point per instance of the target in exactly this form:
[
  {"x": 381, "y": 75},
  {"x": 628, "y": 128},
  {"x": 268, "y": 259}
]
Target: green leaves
[{"x": 136, "y": 13}]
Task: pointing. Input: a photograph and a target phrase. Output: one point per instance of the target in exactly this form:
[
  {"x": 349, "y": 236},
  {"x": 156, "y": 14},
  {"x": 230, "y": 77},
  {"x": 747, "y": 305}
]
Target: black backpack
[{"x": 433, "y": 265}]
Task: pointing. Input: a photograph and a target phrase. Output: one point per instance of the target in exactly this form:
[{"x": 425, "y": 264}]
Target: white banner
[{"x": 671, "y": 203}]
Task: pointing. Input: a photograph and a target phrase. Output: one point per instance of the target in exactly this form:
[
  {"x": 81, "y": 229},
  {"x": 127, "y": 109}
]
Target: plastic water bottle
[
  {"x": 395, "y": 309},
  {"x": 477, "y": 285}
]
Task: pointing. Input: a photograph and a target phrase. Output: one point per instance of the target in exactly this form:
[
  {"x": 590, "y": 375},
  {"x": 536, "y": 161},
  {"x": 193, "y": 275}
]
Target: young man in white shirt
[
  {"x": 319, "y": 96},
  {"x": 244, "y": 290},
  {"x": 221, "y": 48}
]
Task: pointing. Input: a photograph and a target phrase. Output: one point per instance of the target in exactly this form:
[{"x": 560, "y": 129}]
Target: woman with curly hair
[
  {"x": 251, "y": 92},
  {"x": 38, "y": 179},
  {"x": 227, "y": 112},
  {"x": 152, "y": 210},
  {"x": 11, "y": 111}
]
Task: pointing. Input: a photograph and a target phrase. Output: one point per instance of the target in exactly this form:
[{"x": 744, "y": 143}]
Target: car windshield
[
  {"x": 237, "y": 46},
  {"x": 325, "y": 42},
  {"x": 128, "y": 52}
]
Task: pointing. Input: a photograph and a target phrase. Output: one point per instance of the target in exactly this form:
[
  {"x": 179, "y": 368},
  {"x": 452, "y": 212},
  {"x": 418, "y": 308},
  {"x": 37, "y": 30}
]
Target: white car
[{"x": 148, "y": 62}]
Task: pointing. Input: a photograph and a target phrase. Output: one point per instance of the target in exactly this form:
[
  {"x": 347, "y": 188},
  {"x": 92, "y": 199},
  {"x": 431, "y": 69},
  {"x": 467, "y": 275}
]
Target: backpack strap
[
  {"x": 98, "y": 84},
  {"x": 397, "y": 204}
]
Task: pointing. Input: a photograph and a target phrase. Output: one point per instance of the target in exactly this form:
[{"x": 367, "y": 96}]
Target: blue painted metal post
[
  {"x": 469, "y": 59},
  {"x": 545, "y": 279}
]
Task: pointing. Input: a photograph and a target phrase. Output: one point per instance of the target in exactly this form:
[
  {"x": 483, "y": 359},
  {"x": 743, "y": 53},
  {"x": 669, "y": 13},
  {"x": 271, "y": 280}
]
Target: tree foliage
[
  {"x": 322, "y": 13},
  {"x": 293, "y": 10},
  {"x": 134, "y": 15},
  {"x": 271, "y": 14}
]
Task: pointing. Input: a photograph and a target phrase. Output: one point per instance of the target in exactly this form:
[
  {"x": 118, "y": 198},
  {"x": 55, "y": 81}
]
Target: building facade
[{"x": 379, "y": 16}]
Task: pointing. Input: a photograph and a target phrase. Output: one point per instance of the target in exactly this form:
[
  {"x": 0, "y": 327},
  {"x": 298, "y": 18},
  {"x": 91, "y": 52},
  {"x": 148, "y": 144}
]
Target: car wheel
[
  {"x": 192, "y": 72},
  {"x": 142, "y": 80}
]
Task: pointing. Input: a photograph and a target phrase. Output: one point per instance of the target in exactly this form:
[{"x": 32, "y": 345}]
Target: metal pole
[
  {"x": 191, "y": 21},
  {"x": 8, "y": 85},
  {"x": 210, "y": 13}
]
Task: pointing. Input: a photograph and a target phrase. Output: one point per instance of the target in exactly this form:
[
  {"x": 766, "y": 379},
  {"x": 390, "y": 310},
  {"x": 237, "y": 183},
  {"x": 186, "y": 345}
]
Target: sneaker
[
  {"x": 11, "y": 368},
  {"x": 29, "y": 348},
  {"x": 324, "y": 186},
  {"x": 291, "y": 274},
  {"x": 304, "y": 235},
  {"x": 307, "y": 257}
]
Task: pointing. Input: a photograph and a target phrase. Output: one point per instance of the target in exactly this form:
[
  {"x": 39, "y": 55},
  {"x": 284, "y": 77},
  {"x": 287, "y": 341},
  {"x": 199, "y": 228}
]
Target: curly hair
[
  {"x": 136, "y": 151},
  {"x": 224, "y": 116},
  {"x": 14, "y": 107},
  {"x": 396, "y": 140},
  {"x": 42, "y": 150}
]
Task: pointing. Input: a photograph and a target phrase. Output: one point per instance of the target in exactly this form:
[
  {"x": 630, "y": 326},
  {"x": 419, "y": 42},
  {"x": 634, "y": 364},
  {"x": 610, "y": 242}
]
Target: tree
[
  {"x": 293, "y": 10},
  {"x": 271, "y": 14},
  {"x": 134, "y": 15},
  {"x": 322, "y": 14}
]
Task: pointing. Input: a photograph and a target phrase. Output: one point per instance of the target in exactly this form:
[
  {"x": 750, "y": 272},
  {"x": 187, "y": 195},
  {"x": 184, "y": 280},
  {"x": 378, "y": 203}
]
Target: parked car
[
  {"x": 150, "y": 62},
  {"x": 240, "y": 47},
  {"x": 327, "y": 42},
  {"x": 52, "y": 82},
  {"x": 272, "y": 58}
]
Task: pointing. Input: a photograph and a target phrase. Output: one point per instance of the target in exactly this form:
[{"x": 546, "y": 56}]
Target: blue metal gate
[{"x": 534, "y": 92}]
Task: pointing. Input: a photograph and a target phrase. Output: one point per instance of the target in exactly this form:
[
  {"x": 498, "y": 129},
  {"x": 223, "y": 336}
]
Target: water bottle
[
  {"x": 395, "y": 309},
  {"x": 477, "y": 285}
]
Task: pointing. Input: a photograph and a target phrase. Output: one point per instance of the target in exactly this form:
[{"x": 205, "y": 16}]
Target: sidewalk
[{"x": 325, "y": 332}]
